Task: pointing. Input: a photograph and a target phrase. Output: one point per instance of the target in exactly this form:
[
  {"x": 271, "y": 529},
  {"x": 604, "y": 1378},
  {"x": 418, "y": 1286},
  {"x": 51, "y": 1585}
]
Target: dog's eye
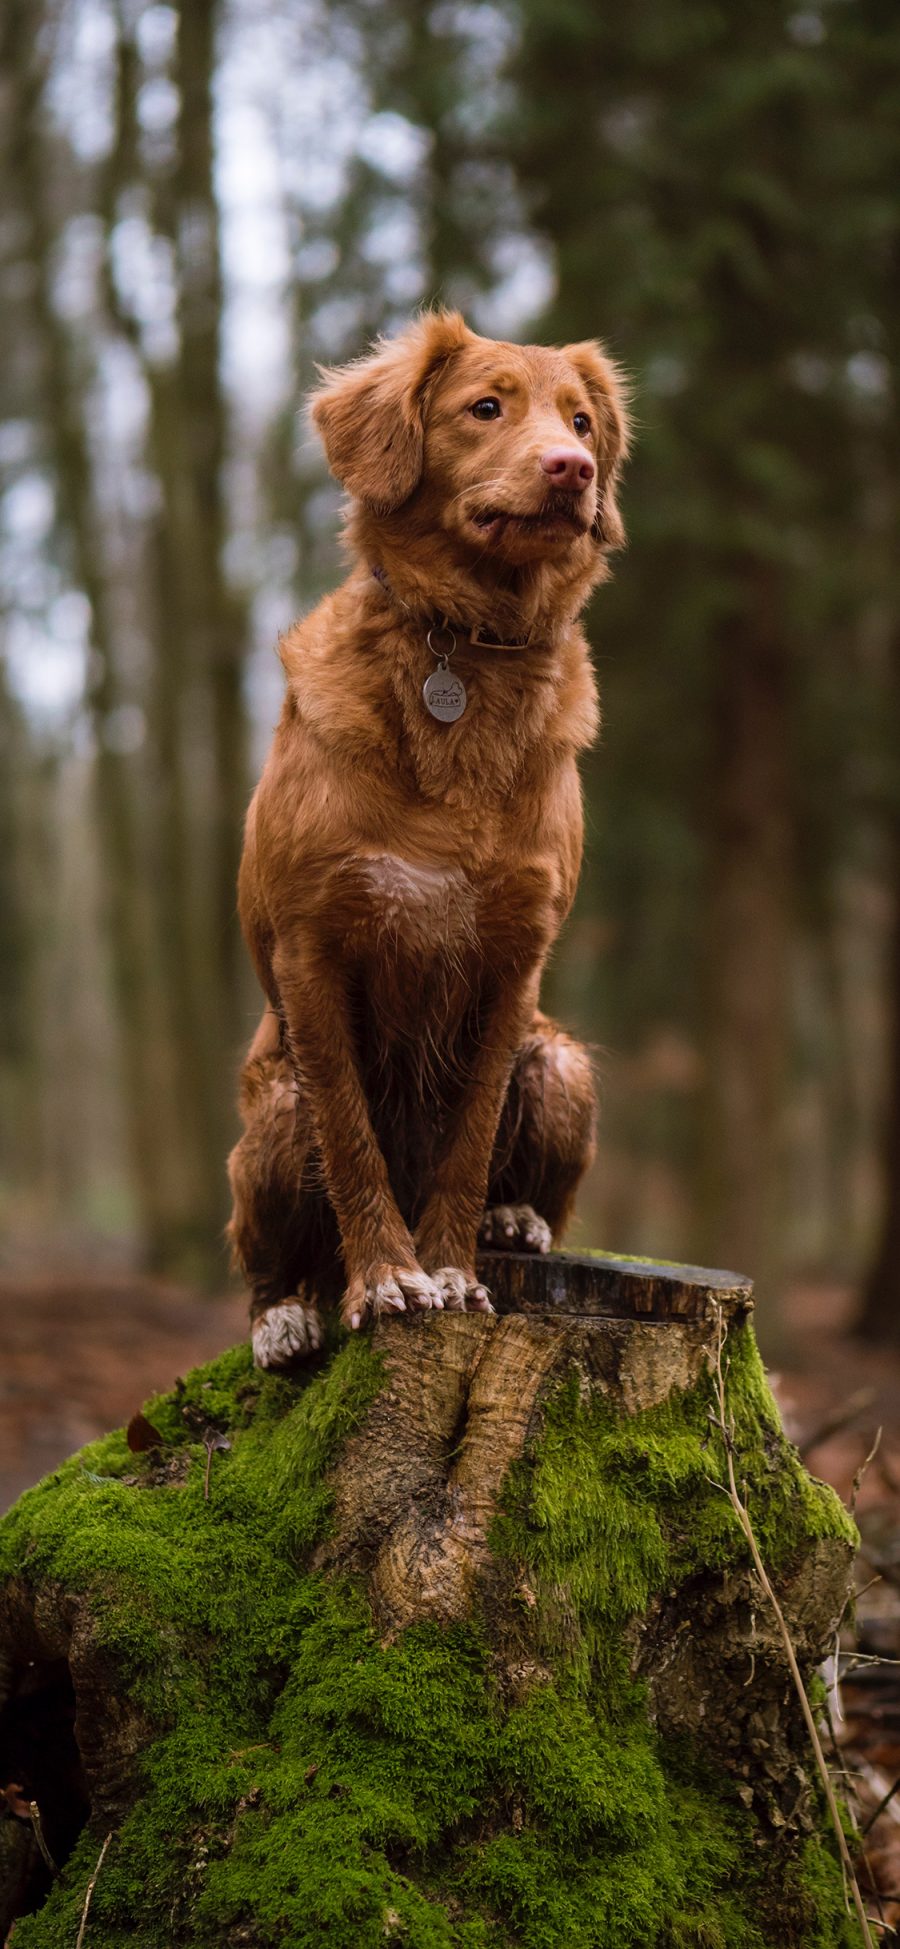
[
  {"x": 582, "y": 424},
  {"x": 486, "y": 409}
]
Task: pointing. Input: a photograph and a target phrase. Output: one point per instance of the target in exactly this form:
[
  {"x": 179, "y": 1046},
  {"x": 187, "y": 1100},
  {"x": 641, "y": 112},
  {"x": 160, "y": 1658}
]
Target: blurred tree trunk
[
  {"x": 877, "y": 49},
  {"x": 217, "y": 618},
  {"x": 127, "y": 920},
  {"x": 747, "y": 939},
  {"x": 880, "y": 1315},
  {"x": 18, "y": 1080},
  {"x": 201, "y": 632},
  {"x": 198, "y": 633}
]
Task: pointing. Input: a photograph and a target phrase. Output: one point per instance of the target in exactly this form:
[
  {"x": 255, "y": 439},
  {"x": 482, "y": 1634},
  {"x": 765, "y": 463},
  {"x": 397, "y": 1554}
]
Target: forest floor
[{"x": 80, "y": 1355}]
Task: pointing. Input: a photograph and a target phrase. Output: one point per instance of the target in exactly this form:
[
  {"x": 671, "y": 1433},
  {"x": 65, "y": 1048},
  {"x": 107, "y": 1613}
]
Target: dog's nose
[{"x": 568, "y": 467}]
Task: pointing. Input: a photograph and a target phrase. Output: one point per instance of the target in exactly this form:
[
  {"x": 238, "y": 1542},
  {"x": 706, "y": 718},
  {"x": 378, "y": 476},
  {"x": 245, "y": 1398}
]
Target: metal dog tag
[{"x": 445, "y": 695}]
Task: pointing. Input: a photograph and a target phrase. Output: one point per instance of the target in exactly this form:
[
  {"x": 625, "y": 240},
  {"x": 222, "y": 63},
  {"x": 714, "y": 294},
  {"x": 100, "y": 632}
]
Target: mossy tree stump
[{"x": 451, "y": 1642}]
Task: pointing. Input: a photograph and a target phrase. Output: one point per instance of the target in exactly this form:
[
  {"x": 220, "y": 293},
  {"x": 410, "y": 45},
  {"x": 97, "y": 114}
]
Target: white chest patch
[{"x": 424, "y": 907}]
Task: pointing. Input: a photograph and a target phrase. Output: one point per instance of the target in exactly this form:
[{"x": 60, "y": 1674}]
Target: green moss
[
  {"x": 311, "y": 1784},
  {"x": 610, "y": 1511},
  {"x": 671, "y": 1265}
]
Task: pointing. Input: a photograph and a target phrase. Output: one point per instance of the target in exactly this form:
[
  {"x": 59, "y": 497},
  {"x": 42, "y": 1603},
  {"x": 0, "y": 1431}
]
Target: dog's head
[{"x": 511, "y": 451}]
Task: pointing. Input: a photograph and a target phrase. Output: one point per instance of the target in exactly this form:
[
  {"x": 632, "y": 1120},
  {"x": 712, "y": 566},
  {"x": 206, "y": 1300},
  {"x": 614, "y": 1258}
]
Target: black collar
[{"x": 477, "y": 634}]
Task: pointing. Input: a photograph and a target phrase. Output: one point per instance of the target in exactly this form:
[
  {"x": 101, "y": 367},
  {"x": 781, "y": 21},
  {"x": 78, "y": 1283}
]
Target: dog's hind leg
[
  {"x": 282, "y": 1233},
  {"x": 545, "y": 1142}
]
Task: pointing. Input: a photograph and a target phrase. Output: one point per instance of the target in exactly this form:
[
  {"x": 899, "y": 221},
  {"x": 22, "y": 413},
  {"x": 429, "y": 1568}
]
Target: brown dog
[{"x": 406, "y": 873}]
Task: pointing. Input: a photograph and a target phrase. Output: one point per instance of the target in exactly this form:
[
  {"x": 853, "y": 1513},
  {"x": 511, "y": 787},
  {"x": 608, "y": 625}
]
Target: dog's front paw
[
  {"x": 389, "y": 1289},
  {"x": 514, "y": 1228},
  {"x": 461, "y": 1291},
  {"x": 285, "y": 1333}
]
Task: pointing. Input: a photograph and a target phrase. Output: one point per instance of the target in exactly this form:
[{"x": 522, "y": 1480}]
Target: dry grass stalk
[
  {"x": 90, "y": 1890},
  {"x": 724, "y": 1423},
  {"x": 35, "y": 1813}
]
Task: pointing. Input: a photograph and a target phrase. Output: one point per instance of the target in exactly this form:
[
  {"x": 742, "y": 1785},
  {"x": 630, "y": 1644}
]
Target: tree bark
[
  {"x": 195, "y": 925},
  {"x": 454, "y": 1642},
  {"x": 216, "y": 616},
  {"x": 18, "y": 953},
  {"x": 747, "y": 945},
  {"x": 21, "y": 58},
  {"x": 880, "y": 1314}
]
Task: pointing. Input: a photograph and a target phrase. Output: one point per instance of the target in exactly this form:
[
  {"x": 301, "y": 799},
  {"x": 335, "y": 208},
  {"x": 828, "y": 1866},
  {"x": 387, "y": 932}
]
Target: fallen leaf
[
  {"x": 141, "y": 1435},
  {"x": 14, "y": 1796}
]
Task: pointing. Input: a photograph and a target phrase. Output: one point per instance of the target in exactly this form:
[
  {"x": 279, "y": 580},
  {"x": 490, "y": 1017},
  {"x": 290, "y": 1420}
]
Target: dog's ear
[
  {"x": 370, "y": 413},
  {"x": 609, "y": 395}
]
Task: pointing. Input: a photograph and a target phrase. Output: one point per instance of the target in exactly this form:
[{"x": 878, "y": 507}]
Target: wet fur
[{"x": 403, "y": 881}]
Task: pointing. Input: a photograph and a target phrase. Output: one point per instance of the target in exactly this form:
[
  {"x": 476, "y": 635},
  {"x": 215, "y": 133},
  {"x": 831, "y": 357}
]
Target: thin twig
[
  {"x": 881, "y": 1808},
  {"x": 861, "y": 1471},
  {"x": 853, "y": 1596},
  {"x": 867, "y": 1658},
  {"x": 726, "y": 1430},
  {"x": 838, "y": 1654},
  {"x": 35, "y": 1813},
  {"x": 90, "y": 1889}
]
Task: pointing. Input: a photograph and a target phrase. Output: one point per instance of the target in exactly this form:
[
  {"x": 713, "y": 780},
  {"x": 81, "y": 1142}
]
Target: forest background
[{"x": 199, "y": 201}]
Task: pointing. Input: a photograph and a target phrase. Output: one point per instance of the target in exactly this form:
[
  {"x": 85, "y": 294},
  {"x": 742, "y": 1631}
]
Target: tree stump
[{"x": 452, "y": 1642}]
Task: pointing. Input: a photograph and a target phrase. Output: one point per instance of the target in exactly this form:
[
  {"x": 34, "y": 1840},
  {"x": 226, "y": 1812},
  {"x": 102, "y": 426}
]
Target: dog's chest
[{"x": 398, "y": 909}]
